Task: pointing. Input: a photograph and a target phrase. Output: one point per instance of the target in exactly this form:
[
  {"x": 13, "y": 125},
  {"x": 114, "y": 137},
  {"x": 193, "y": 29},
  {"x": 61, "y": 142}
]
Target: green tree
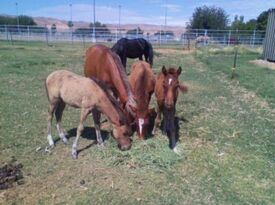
[
  {"x": 100, "y": 29},
  {"x": 53, "y": 29},
  {"x": 209, "y": 18},
  {"x": 70, "y": 24},
  {"x": 26, "y": 20},
  {"x": 262, "y": 21},
  {"x": 134, "y": 31},
  {"x": 23, "y": 20}
]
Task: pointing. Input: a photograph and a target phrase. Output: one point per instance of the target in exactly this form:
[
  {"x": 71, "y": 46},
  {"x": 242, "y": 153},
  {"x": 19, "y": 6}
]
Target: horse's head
[
  {"x": 122, "y": 135},
  {"x": 142, "y": 121},
  {"x": 171, "y": 86}
]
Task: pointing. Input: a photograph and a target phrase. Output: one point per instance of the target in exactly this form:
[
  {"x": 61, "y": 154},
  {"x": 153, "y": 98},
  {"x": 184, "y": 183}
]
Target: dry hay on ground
[{"x": 264, "y": 63}]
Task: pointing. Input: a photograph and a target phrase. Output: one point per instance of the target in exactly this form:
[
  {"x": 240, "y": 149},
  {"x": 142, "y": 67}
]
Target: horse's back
[
  {"x": 142, "y": 75},
  {"x": 73, "y": 89},
  {"x": 95, "y": 60}
]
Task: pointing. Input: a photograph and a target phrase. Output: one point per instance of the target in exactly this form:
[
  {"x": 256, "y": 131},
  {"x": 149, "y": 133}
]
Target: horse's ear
[
  {"x": 179, "y": 70},
  {"x": 164, "y": 71}
]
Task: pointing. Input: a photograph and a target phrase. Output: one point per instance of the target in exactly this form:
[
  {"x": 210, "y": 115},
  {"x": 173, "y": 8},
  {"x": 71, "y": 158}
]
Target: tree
[
  {"x": 53, "y": 29},
  {"x": 26, "y": 20},
  {"x": 100, "y": 29},
  {"x": 70, "y": 24},
  {"x": 209, "y": 18},
  {"x": 262, "y": 21},
  {"x": 134, "y": 31},
  {"x": 23, "y": 20}
]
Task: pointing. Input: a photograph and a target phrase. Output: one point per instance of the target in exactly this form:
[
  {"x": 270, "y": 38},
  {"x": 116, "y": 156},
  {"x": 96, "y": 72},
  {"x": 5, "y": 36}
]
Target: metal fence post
[
  {"x": 254, "y": 35},
  {"x": 28, "y": 33},
  {"x": 6, "y": 31},
  {"x": 229, "y": 37},
  {"x": 205, "y": 34}
]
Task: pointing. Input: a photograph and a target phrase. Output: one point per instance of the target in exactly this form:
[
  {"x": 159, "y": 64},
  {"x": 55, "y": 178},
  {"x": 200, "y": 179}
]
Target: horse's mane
[
  {"x": 123, "y": 75},
  {"x": 112, "y": 99}
]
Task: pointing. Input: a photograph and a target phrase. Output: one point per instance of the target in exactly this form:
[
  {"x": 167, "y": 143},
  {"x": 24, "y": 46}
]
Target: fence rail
[{"x": 186, "y": 37}]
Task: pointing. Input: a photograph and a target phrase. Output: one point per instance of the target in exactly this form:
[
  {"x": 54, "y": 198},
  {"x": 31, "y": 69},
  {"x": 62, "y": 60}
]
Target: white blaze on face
[
  {"x": 170, "y": 81},
  {"x": 140, "y": 124}
]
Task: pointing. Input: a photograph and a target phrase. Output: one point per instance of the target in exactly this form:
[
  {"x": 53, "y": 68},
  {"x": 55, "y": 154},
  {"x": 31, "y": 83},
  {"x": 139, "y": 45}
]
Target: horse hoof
[
  {"x": 102, "y": 145},
  {"x": 65, "y": 141},
  {"x": 74, "y": 155}
]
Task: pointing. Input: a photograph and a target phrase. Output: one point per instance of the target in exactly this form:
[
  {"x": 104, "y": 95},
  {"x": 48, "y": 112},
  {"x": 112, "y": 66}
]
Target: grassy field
[{"x": 227, "y": 144}]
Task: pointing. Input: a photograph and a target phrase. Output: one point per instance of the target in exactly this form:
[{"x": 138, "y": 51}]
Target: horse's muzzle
[{"x": 124, "y": 147}]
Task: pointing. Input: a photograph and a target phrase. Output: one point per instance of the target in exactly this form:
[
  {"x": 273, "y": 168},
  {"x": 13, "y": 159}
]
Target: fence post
[
  {"x": 6, "y": 31},
  {"x": 254, "y": 35},
  {"x": 46, "y": 32},
  {"x": 28, "y": 33},
  {"x": 229, "y": 37},
  {"x": 205, "y": 34}
]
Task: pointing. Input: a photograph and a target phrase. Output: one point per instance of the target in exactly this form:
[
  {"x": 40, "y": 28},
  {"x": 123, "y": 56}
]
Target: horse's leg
[
  {"x": 157, "y": 120},
  {"x": 52, "y": 107},
  {"x": 58, "y": 115},
  {"x": 83, "y": 116},
  {"x": 96, "y": 117},
  {"x": 140, "y": 57}
]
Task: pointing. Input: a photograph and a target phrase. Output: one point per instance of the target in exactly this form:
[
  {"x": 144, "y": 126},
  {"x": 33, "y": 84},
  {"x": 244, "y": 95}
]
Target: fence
[{"x": 185, "y": 37}]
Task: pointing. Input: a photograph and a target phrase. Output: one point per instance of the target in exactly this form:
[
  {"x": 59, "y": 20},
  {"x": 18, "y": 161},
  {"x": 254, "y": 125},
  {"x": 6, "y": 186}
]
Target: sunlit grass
[{"x": 226, "y": 146}]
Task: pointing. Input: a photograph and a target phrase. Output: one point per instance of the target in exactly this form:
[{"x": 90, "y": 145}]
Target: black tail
[{"x": 150, "y": 53}]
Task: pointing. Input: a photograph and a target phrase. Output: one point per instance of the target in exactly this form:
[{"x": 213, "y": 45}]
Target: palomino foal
[
  {"x": 64, "y": 87},
  {"x": 142, "y": 81},
  {"x": 166, "y": 92}
]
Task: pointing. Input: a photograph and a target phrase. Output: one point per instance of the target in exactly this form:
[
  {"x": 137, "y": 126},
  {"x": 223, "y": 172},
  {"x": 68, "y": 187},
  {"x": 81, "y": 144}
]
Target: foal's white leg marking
[
  {"x": 176, "y": 150},
  {"x": 140, "y": 124},
  {"x": 50, "y": 139},
  {"x": 61, "y": 133},
  {"x": 170, "y": 81},
  {"x": 98, "y": 136}
]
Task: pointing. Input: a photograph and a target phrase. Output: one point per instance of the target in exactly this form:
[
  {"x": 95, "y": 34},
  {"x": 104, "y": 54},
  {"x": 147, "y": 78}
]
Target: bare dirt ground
[{"x": 263, "y": 63}]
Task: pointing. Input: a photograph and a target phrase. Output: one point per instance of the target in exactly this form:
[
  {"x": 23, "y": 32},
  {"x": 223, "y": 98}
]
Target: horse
[
  {"x": 103, "y": 64},
  {"x": 64, "y": 87},
  {"x": 166, "y": 92},
  {"x": 133, "y": 48},
  {"x": 142, "y": 81}
]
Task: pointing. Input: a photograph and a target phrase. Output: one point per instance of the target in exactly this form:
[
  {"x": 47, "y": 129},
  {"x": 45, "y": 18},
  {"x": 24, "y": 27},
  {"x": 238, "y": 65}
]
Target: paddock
[{"x": 226, "y": 134}]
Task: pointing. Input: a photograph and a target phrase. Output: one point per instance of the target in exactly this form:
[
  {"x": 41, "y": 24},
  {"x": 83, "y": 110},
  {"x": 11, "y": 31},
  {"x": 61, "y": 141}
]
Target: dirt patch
[
  {"x": 9, "y": 174},
  {"x": 263, "y": 63}
]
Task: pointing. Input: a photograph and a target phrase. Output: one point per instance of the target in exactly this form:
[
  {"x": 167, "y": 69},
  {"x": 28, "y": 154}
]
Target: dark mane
[{"x": 112, "y": 99}]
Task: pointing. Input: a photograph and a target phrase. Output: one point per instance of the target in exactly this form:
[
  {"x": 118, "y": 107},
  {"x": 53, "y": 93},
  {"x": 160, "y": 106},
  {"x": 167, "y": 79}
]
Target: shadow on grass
[{"x": 88, "y": 133}]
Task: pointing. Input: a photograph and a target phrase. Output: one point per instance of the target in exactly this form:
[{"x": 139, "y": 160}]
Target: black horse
[{"x": 133, "y": 48}]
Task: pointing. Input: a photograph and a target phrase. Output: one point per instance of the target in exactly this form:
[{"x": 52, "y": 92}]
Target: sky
[{"x": 178, "y": 12}]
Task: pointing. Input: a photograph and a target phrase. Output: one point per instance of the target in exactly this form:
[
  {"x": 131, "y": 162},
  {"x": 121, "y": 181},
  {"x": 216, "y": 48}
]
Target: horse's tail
[{"x": 150, "y": 53}]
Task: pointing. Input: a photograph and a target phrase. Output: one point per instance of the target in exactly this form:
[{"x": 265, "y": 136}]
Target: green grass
[{"x": 227, "y": 151}]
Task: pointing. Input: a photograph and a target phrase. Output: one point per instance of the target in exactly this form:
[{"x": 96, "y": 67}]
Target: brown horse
[
  {"x": 64, "y": 87},
  {"x": 103, "y": 64},
  {"x": 166, "y": 92},
  {"x": 142, "y": 81}
]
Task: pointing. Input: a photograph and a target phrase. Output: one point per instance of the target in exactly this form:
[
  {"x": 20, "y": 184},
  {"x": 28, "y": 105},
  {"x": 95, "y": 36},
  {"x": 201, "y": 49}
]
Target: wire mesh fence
[{"x": 186, "y": 37}]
